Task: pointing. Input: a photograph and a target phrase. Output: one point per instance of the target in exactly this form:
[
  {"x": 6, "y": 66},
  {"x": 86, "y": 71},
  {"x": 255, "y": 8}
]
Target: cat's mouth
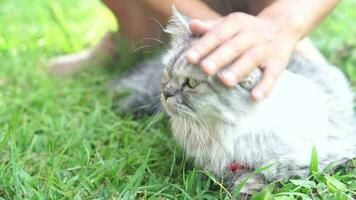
[{"x": 174, "y": 107}]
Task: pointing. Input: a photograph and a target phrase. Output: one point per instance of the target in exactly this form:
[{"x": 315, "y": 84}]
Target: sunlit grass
[{"x": 59, "y": 138}]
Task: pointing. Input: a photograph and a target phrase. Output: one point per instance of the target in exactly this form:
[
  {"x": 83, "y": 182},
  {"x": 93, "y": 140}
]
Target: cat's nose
[{"x": 169, "y": 92}]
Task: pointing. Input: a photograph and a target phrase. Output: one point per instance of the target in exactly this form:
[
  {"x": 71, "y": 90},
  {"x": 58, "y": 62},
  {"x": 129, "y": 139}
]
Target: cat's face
[
  {"x": 185, "y": 90},
  {"x": 188, "y": 92}
]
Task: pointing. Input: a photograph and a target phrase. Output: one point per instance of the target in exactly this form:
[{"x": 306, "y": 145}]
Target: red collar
[{"x": 234, "y": 167}]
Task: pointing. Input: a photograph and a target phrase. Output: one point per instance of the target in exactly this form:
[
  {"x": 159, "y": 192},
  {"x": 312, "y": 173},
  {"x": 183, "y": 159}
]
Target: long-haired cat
[{"x": 228, "y": 133}]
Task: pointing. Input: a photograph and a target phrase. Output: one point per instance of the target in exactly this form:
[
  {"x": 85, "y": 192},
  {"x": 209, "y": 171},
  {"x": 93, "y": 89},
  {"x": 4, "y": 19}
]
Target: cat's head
[{"x": 188, "y": 92}]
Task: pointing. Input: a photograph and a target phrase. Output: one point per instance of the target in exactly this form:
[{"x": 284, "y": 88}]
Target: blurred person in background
[{"x": 246, "y": 34}]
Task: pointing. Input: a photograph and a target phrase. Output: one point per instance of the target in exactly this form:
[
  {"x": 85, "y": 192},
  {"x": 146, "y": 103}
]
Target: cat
[{"x": 229, "y": 134}]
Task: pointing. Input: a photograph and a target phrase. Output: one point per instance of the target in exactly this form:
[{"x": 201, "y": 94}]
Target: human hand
[{"x": 243, "y": 42}]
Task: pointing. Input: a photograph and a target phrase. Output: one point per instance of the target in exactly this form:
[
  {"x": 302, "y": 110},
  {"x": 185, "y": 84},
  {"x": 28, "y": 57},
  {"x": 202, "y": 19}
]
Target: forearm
[
  {"x": 193, "y": 8},
  {"x": 298, "y": 17}
]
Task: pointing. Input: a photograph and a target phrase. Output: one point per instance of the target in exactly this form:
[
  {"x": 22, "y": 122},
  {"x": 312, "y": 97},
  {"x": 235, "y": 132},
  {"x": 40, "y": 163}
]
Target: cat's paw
[
  {"x": 244, "y": 196},
  {"x": 254, "y": 183}
]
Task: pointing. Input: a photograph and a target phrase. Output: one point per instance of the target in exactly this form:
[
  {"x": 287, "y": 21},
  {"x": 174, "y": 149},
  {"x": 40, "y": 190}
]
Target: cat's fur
[
  {"x": 311, "y": 105},
  {"x": 139, "y": 89}
]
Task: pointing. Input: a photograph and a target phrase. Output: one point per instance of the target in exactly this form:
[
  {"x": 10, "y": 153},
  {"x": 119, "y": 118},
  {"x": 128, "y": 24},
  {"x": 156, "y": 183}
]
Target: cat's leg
[
  {"x": 254, "y": 183},
  {"x": 296, "y": 163},
  {"x": 284, "y": 170}
]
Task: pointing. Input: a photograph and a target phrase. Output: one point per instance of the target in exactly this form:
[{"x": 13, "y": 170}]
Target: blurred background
[{"x": 59, "y": 137}]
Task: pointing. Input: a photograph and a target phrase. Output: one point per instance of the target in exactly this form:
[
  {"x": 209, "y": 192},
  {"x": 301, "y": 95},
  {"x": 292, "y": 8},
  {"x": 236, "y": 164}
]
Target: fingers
[
  {"x": 269, "y": 78},
  {"x": 227, "y": 53},
  {"x": 199, "y": 27},
  {"x": 245, "y": 41},
  {"x": 213, "y": 38},
  {"x": 244, "y": 65}
]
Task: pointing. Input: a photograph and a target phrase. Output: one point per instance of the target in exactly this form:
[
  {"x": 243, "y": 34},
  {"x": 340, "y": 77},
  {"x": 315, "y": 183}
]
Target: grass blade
[{"x": 314, "y": 162}]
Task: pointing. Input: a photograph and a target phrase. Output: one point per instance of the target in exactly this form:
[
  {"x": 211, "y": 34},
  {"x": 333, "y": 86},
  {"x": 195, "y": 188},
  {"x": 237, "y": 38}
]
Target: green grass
[{"x": 59, "y": 138}]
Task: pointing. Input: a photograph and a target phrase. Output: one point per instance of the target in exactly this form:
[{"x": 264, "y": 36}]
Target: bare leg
[
  {"x": 137, "y": 20},
  {"x": 93, "y": 56},
  {"x": 305, "y": 47},
  {"x": 138, "y": 25}
]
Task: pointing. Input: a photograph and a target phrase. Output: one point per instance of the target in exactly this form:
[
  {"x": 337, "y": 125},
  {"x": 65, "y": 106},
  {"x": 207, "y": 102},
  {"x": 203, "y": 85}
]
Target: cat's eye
[
  {"x": 247, "y": 84},
  {"x": 193, "y": 83},
  {"x": 251, "y": 80}
]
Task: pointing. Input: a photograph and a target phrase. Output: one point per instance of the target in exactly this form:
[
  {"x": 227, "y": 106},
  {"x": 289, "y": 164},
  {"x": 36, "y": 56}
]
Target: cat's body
[
  {"x": 282, "y": 130},
  {"x": 310, "y": 106}
]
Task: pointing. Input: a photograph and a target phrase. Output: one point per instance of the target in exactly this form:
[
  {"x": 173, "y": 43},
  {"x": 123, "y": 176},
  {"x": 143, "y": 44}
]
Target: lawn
[{"x": 60, "y": 139}]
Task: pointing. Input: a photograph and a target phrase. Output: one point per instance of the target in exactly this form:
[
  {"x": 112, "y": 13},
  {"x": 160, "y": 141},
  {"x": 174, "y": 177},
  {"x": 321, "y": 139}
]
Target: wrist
[{"x": 286, "y": 28}]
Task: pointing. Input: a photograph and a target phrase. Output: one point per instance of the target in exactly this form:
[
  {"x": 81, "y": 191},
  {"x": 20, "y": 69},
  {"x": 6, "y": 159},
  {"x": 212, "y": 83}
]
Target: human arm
[
  {"x": 246, "y": 42},
  {"x": 195, "y": 9}
]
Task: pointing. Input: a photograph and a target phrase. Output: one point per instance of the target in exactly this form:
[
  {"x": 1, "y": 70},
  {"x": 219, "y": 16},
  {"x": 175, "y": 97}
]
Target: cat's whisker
[
  {"x": 213, "y": 155},
  {"x": 147, "y": 39},
  {"x": 150, "y": 38},
  {"x": 139, "y": 48},
  {"x": 198, "y": 133},
  {"x": 185, "y": 138},
  {"x": 192, "y": 131},
  {"x": 155, "y": 20},
  {"x": 195, "y": 132},
  {"x": 185, "y": 135},
  {"x": 212, "y": 138},
  {"x": 157, "y": 109},
  {"x": 136, "y": 47},
  {"x": 157, "y": 98},
  {"x": 199, "y": 136},
  {"x": 217, "y": 143},
  {"x": 179, "y": 125}
]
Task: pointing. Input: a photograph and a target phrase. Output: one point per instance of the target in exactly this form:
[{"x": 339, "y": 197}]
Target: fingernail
[
  {"x": 202, "y": 23},
  {"x": 228, "y": 78},
  {"x": 193, "y": 56},
  {"x": 209, "y": 67},
  {"x": 258, "y": 94},
  {"x": 198, "y": 21}
]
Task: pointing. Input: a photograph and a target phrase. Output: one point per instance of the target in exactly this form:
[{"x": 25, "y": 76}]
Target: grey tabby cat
[{"x": 228, "y": 133}]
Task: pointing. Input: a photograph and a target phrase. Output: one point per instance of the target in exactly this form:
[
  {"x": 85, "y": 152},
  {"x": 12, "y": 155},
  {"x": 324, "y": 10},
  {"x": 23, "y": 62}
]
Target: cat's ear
[{"x": 178, "y": 25}]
